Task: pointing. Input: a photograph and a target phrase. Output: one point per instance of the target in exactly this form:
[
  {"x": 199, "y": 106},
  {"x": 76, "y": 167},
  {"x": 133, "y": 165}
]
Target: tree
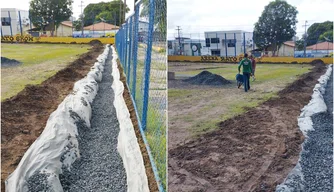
[
  {"x": 50, "y": 12},
  {"x": 300, "y": 45},
  {"x": 77, "y": 25},
  {"x": 160, "y": 14},
  {"x": 109, "y": 11},
  {"x": 276, "y": 25},
  {"x": 327, "y": 36},
  {"x": 319, "y": 29}
]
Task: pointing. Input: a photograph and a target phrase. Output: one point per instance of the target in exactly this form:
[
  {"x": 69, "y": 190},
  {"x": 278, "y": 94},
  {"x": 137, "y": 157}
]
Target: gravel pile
[
  {"x": 317, "y": 158},
  {"x": 316, "y": 161},
  {"x": 5, "y": 62},
  {"x": 207, "y": 78},
  {"x": 100, "y": 167}
]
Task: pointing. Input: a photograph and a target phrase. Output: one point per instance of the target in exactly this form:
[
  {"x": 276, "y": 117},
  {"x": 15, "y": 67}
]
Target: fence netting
[{"x": 141, "y": 45}]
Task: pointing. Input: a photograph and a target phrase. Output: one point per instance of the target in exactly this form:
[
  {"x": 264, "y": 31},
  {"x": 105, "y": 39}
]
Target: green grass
[
  {"x": 210, "y": 106},
  {"x": 39, "y": 62}
]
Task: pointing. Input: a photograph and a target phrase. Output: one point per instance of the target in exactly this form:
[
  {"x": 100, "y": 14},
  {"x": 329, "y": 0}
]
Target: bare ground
[{"x": 250, "y": 152}]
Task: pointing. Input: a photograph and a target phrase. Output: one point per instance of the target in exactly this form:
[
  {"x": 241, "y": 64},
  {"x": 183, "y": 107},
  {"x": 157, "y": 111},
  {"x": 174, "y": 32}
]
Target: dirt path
[
  {"x": 251, "y": 152},
  {"x": 24, "y": 116}
]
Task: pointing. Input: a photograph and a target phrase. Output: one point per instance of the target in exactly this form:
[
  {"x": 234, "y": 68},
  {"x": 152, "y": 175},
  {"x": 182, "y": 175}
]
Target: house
[
  {"x": 65, "y": 29},
  {"x": 229, "y": 43},
  {"x": 101, "y": 29},
  {"x": 287, "y": 49},
  {"x": 321, "y": 49},
  {"x": 10, "y": 21}
]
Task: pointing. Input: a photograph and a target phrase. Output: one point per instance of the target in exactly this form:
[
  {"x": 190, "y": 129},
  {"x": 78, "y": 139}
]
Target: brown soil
[
  {"x": 149, "y": 171},
  {"x": 24, "y": 116},
  {"x": 251, "y": 152}
]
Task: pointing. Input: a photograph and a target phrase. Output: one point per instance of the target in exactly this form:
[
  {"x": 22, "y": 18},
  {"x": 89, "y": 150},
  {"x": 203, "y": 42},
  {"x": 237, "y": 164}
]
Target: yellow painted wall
[
  {"x": 216, "y": 59},
  {"x": 30, "y": 39}
]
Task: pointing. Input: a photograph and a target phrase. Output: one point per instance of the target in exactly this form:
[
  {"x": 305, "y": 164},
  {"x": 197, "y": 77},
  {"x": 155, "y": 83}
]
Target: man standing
[
  {"x": 253, "y": 66},
  {"x": 246, "y": 70}
]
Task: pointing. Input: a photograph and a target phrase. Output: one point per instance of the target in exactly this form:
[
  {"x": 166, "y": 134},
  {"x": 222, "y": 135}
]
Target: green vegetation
[
  {"x": 39, "y": 62},
  {"x": 208, "y": 106}
]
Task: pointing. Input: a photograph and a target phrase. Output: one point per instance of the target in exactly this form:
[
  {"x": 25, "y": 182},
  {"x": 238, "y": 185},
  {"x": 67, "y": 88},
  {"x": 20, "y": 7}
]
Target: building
[
  {"x": 229, "y": 43},
  {"x": 10, "y": 21},
  {"x": 100, "y": 29},
  {"x": 287, "y": 49},
  {"x": 189, "y": 47},
  {"x": 143, "y": 26},
  {"x": 65, "y": 29}
]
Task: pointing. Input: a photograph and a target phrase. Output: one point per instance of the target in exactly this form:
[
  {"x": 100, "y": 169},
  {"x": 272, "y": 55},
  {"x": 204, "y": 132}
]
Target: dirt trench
[{"x": 254, "y": 151}]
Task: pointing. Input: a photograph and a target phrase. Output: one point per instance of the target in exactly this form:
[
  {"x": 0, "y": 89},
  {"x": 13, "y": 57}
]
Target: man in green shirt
[{"x": 246, "y": 70}]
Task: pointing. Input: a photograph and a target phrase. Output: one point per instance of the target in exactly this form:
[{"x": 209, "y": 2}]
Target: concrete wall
[{"x": 30, "y": 39}]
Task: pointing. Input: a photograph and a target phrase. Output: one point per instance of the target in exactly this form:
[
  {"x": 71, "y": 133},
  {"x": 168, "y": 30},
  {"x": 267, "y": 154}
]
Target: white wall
[
  {"x": 14, "y": 14},
  {"x": 239, "y": 39}
]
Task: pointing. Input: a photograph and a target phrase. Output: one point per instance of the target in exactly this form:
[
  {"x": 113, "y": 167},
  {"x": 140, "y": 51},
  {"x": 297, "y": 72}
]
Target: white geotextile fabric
[
  {"x": 128, "y": 146},
  {"x": 57, "y": 146},
  {"x": 316, "y": 105}
]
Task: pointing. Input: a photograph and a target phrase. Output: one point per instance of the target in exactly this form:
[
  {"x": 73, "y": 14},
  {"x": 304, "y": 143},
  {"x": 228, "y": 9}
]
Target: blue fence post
[
  {"x": 244, "y": 43},
  {"x": 130, "y": 51},
  {"x": 10, "y": 22},
  {"x": 225, "y": 46},
  {"x": 148, "y": 64},
  {"x": 135, "y": 52},
  {"x": 20, "y": 23},
  {"x": 235, "y": 46},
  {"x": 126, "y": 47}
]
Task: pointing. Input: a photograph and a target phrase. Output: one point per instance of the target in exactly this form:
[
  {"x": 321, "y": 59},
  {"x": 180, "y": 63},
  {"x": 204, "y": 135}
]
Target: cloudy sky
[
  {"x": 197, "y": 16},
  {"x": 24, "y": 5}
]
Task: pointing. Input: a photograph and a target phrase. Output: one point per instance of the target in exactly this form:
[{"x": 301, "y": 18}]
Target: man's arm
[{"x": 240, "y": 65}]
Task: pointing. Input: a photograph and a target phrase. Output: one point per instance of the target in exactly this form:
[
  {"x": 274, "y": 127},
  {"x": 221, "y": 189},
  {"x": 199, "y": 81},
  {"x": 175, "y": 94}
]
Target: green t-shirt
[{"x": 246, "y": 65}]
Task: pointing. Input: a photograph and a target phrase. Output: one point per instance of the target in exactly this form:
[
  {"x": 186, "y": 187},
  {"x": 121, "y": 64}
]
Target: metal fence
[{"x": 141, "y": 46}]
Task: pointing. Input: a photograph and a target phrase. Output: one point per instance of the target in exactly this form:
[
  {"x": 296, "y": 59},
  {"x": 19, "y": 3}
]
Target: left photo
[{"x": 83, "y": 95}]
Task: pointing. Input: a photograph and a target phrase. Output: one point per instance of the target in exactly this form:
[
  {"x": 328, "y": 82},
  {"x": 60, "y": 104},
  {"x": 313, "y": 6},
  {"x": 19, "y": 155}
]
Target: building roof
[
  {"x": 289, "y": 43},
  {"x": 101, "y": 27},
  {"x": 321, "y": 46},
  {"x": 67, "y": 23}
]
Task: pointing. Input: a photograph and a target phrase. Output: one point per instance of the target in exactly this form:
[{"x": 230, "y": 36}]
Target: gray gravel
[
  {"x": 317, "y": 160},
  {"x": 317, "y": 155},
  {"x": 100, "y": 167}
]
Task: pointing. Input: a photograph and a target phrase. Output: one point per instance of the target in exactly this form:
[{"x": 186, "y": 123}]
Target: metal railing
[{"x": 141, "y": 46}]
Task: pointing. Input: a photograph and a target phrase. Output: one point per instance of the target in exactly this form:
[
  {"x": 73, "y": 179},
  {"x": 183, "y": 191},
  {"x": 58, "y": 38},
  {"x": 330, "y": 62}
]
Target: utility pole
[
  {"x": 178, "y": 34},
  {"x": 124, "y": 9},
  {"x": 82, "y": 20},
  {"x": 305, "y": 36},
  {"x": 120, "y": 13}
]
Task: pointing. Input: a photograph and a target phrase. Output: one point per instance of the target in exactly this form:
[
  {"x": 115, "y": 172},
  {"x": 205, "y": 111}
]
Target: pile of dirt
[
  {"x": 24, "y": 116},
  {"x": 6, "y": 62},
  {"x": 253, "y": 151},
  {"x": 207, "y": 78},
  {"x": 95, "y": 43}
]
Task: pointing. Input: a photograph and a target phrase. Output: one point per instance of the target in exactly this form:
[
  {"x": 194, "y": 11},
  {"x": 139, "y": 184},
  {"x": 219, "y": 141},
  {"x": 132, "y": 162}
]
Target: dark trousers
[{"x": 246, "y": 81}]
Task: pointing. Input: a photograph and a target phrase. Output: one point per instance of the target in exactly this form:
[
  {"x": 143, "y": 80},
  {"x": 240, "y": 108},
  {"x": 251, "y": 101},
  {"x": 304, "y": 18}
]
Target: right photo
[{"x": 250, "y": 96}]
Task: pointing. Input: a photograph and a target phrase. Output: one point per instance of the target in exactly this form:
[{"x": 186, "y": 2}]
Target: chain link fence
[
  {"x": 141, "y": 45},
  {"x": 235, "y": 43}
]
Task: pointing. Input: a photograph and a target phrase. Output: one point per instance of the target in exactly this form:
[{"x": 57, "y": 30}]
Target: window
[
  {"x": 214, "y": 40},
  {"x": 170, "y": 45},
  {"x": 215, "y": 52},
  {"x": 229, "y": 42},
  {"x": 207, "y": 42},
  {"x": 5, "y": 21}
]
